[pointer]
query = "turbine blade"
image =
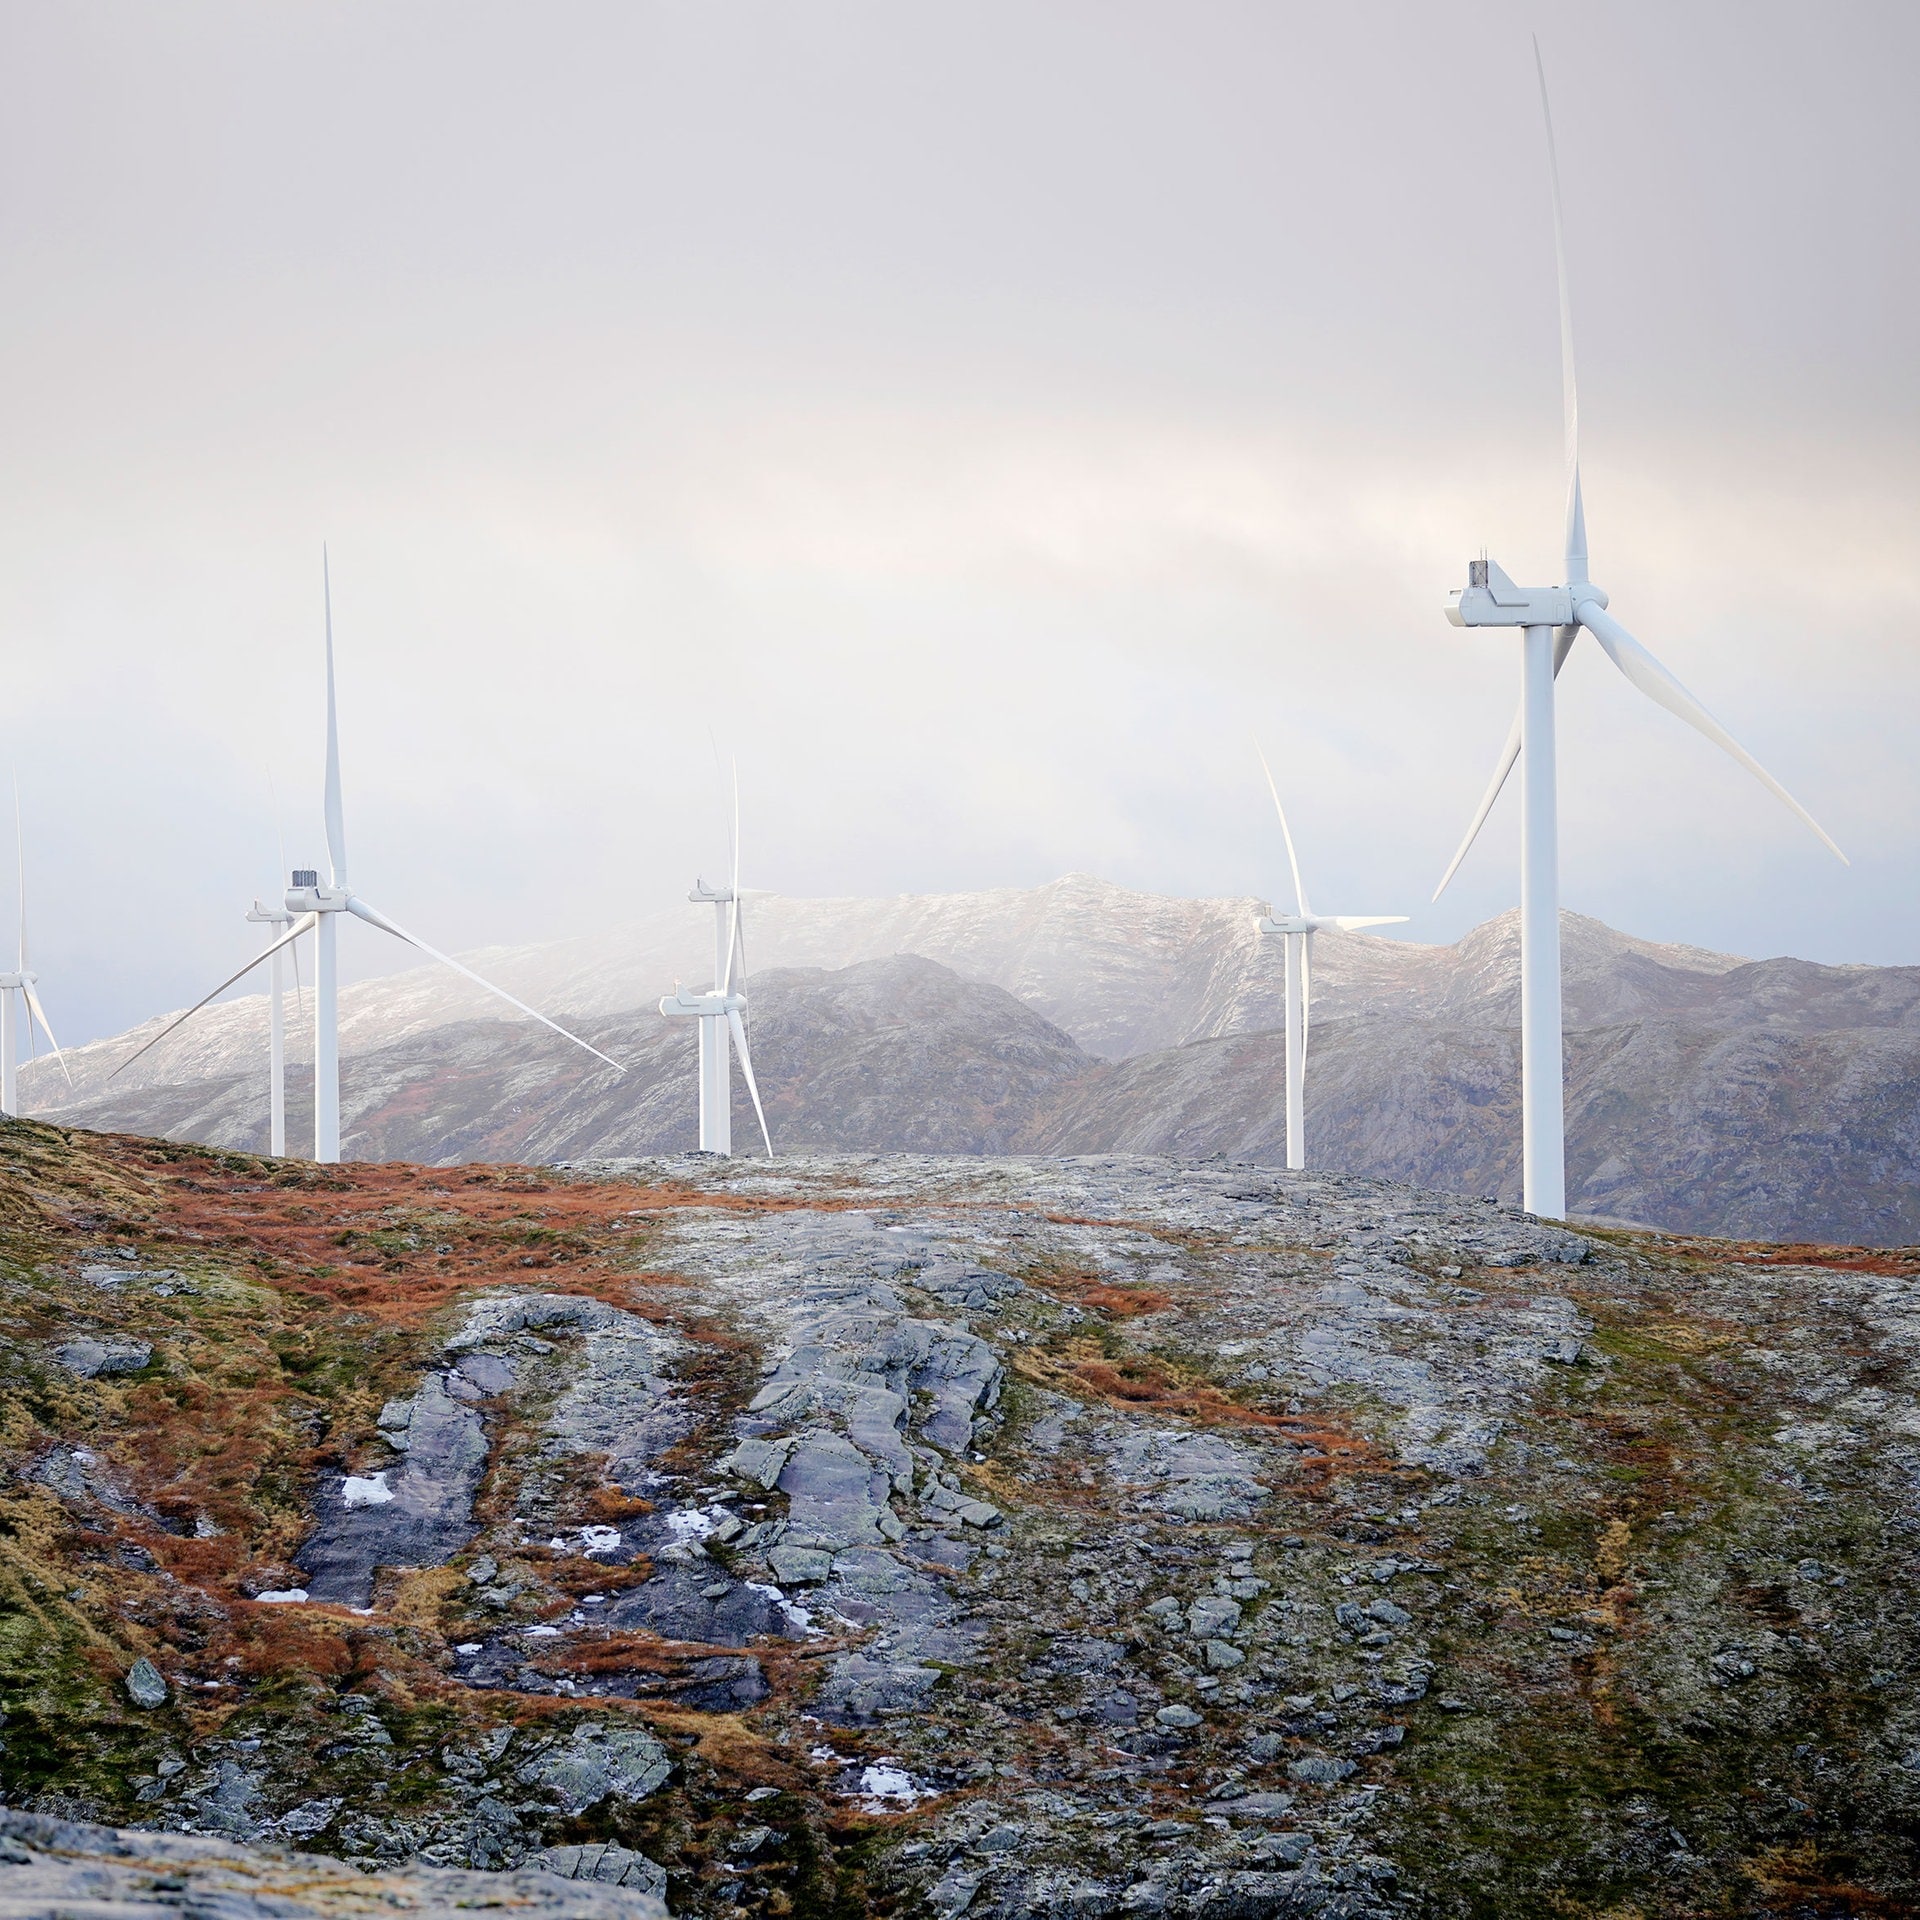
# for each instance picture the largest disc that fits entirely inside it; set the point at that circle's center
(1660, 686)
(299, 927)
(375, 918)
(1569, 390)
(733, 887)
(336, 820)
(1502, 767)
(38, 1012)
(20, 869)
(1563, 639)
(1306, 999)
(746, 1068)
(740, 946)
(1286, 833)
(1350, 922)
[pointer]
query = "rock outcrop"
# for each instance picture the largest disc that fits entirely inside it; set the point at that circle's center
(51, 1867)
(942, 1536)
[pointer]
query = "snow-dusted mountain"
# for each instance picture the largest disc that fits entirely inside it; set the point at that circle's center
(1770, 1097)
(1123, 973)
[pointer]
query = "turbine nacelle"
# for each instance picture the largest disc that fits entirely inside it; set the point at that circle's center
(18, 978)
(307, 895)
(1490, 599)
(706, 896)
(262, 915)
(1272, 922)
(704, 1006)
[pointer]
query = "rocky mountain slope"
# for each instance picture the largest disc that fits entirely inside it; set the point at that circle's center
(954, 1537)
(1705, 1093)
(1122, 973)
(1747, 1129)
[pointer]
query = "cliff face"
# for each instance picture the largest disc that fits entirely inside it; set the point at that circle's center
(951, 1536)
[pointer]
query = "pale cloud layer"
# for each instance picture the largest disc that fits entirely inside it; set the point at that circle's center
(985, 420)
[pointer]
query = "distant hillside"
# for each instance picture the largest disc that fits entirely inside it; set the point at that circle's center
(1708, 1093)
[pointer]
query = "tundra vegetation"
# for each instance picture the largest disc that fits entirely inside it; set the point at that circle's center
(904, 1535)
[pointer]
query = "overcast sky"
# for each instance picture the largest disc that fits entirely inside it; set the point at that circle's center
(984, 419)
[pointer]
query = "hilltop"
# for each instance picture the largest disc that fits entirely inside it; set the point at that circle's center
(955, 1536)
(1706, 1093)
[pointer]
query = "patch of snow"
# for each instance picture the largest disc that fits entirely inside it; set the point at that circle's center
(368, 1491)
(688, 1524)
(543, 1633)
(600, 1539)
(468, 1647)
(886, 1779)
(797, 1616)
(282, 1596)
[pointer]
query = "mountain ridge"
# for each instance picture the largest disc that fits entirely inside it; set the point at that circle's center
(1706, 1092)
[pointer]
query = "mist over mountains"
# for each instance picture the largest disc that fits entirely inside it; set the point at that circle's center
(1771, 1099)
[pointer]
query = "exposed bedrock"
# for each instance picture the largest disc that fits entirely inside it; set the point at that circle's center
(419, 1513)
(973, 1540)
(50, 1867)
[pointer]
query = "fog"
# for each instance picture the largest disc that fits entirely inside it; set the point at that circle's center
(983, 421)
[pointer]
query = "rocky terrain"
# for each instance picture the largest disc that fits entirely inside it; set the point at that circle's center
(1704, 1093)
(943, 1536)
(53, 1869)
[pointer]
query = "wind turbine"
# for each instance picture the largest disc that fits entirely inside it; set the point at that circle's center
(275, 957)
(721, 1013)
(311, 905)
(1550, 619)
(18, 994)
(1299, 927)
(276, 915)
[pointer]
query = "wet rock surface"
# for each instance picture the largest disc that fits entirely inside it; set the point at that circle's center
(928, 1536)
(52, 1867)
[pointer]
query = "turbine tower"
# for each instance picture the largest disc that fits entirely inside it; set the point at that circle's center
(311, 905)
(721, 1013)
(19, 996)
(1299, 927)
(275, 957)
(1550, 619)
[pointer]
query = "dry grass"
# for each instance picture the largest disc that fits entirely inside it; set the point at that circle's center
(1328, 1446)
(1086, 1287)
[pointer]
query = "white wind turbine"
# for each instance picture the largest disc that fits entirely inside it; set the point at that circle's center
(275, 915)
(311, 905)
(1299, 927)
(280, 946)
(1551, 619)
(19, 997)
(721, 1013)
(277, 950)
